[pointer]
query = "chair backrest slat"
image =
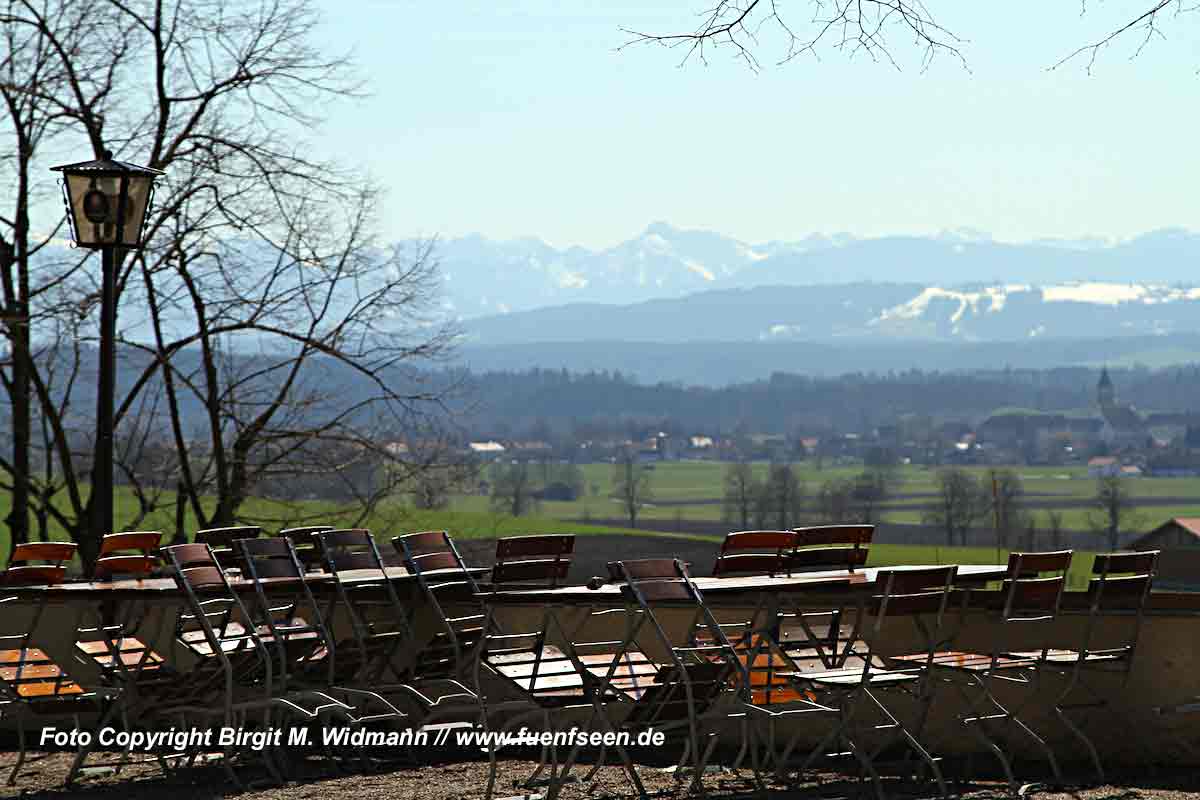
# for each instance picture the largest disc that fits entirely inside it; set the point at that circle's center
(224, 537)
(644, 569)
(542, 571)
(424, 542)
(129, 553)
(1034, 594)
(1121, 563)
(546, 546)
(834, 534)
(1028, 564)
(831, 547)
(144, 541)
(753, 553)
(43, 551)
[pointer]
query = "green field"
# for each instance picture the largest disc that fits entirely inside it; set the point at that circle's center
(470, 518)
(680, 490)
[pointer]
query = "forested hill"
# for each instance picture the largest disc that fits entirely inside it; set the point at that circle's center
(785, 403)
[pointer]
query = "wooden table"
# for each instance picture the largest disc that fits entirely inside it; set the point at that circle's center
(718, 591)
(150, 588)
(68, 604)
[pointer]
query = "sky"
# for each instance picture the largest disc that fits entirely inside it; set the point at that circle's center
(524, 119)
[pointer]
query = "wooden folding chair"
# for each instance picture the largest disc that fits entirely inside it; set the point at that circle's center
(521, 675)
(1100, 666)
(117, 647)
(307, 547)
(292, 627)
(532, 561)
(285, 613)
(1028, 604)
(825, 639)
(756, 639)
(233, 672)
(441, 572)
(31, 683)
(221, 541)
(686, 693)
(378, 655)
(922, 596)
(114, 640)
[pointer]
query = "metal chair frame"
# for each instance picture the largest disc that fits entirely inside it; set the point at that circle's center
(382, 635)
(234, 675)
(118, 646)
(688, 690)
(825, 639)
(32, 683)
(1119, 586)
(1028, 600)
(919, 595)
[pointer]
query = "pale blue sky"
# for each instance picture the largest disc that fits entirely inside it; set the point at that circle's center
(513, 119)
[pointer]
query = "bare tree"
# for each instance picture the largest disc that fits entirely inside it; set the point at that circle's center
(1112, 503)
(514, 489)
(1054, 527)
(861, 28)
(870, 490)
(631, 485)
(782, 497)
(740, 490)
(835, 501)
(961, 502)
(275, 329)
(1007, 493)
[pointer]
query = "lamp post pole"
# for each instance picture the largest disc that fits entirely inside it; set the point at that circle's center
(107, 205)
(102, 460)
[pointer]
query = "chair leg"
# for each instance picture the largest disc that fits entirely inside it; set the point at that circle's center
(12, 777)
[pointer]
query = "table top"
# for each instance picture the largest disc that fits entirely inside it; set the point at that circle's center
(153, 586)
(853, 580)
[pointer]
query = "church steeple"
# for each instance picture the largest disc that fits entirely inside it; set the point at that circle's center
(1106, 395)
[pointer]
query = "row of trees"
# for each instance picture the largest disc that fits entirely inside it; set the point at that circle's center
(261, 288)
(997, 499)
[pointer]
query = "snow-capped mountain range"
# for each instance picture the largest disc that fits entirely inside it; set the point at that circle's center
(484, 277)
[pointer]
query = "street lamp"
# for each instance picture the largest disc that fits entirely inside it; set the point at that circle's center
(107, 207)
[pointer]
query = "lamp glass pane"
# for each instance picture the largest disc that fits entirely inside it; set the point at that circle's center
(88, 233)
(137, 200)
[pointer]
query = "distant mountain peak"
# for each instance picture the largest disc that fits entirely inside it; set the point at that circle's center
(666, 261)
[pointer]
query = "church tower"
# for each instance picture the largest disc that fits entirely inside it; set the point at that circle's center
(1106, 395)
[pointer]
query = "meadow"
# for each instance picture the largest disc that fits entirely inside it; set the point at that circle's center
(692, 490)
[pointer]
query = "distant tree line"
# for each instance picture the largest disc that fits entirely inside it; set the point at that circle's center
(599, 405)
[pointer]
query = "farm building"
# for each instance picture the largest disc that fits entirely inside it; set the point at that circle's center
(1179, 564)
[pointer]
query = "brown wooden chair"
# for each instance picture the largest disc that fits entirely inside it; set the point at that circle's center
(921, 595)
(132, 554)
(440, 570)
(221, 541)
(532, 561)
(116, 646)
(305, 540)
(1098, 668)
(755, 553)
(748, 553)
(826, 639)
(31, 682)
(233, 673)
(113, 638)
(1024, 610)
(378, 654)
(34, 563)
(684, 697)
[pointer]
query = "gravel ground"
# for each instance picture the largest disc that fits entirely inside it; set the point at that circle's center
(42, 779)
